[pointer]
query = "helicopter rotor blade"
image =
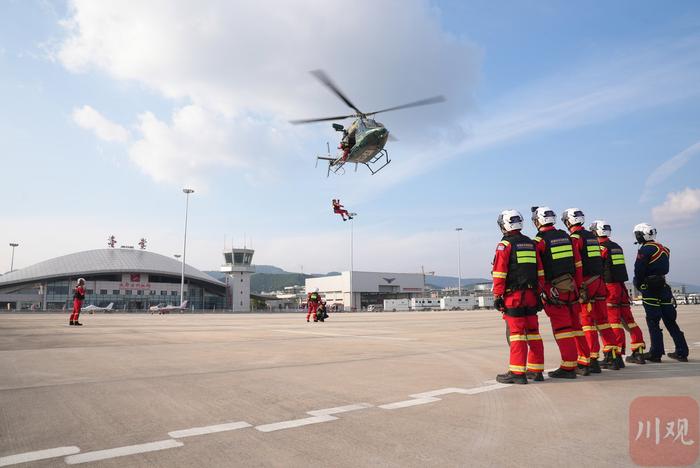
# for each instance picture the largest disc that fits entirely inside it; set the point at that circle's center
(422, 102)
(322, 119)
(325, 79)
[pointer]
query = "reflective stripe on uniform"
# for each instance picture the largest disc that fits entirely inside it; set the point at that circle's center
(584, 360)
(499, 274)
(540, 272)
(578, 264)
(534, 337)
(568, 364)
(618, 259)
(616, 325)
(594, 355)
(561, 336)
(535, 367)
(518, 338)
(588, 328)
(516, 368)
(603, 327)
(593, 250)
(525, 256)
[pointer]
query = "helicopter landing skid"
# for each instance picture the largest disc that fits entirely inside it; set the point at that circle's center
(382, 156)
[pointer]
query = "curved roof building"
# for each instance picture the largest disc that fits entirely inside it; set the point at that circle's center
(131, 279)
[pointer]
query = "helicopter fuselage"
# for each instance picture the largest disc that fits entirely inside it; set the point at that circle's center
(370, 138)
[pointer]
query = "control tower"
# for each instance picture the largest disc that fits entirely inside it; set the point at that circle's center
(238, 267)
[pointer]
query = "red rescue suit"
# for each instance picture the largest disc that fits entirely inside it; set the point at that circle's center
(314, 299)
(558, 258)
(515, 267)
(618, 299)
(78, 297)
(593, 307)
(338, 209)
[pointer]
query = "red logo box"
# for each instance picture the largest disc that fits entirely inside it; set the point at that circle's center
(664, 431)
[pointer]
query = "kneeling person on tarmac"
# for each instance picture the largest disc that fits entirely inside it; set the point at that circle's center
(515, 268)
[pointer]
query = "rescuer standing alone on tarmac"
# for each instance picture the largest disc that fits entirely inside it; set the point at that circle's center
(515, 268)
(558, 291)
(313, 301)
(650, 270)
(78, 298)
(615, 275)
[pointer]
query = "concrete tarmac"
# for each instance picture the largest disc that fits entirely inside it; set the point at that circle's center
(361, 389)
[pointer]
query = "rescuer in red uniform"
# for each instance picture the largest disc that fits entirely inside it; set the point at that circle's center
(515, 268)
(592, 293)
(615, 275)
(557, 285)
(313, 300)
(78, 298)
(339, 209)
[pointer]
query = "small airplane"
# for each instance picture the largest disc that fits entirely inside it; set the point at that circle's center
(363, 141)
(163, 308)
(93, 308)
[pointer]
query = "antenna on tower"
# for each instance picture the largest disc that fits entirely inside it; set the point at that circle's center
(224, 241)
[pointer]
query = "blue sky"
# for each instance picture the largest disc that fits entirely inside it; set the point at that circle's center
(109, 109)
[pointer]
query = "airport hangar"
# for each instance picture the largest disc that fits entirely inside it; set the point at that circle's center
(132, 279)
(357, 289)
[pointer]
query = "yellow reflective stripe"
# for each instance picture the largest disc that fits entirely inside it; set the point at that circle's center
(498, 274)
(584, 360)
(535, 367)
(518, 338)
(593, 250)
(618, 262)
(575, 235)
(534, 337)
(537, 238)
(616, 325)
(560, 336)
(568, 364)
(505, 242)
(561, 248)
(636, 346)
(516, 368)
(618, 259)
(588, 328)
(594, 355)
(527, 260)
(557, 256)
(578, 264)
(605, 326)
(540, 272)
(578, 333)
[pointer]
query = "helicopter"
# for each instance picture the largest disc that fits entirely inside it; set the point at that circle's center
(364, 139)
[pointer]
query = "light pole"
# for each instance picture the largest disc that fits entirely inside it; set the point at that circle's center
(12, 262)
(459, 261)
(187, 192)
(352, 258)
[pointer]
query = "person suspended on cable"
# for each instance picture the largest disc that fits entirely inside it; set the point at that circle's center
(339, 209)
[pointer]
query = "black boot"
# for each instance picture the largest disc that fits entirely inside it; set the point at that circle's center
(78, 324)
(636, 358)
(650, 358)
(583, 370)
(612, 362)
(620, 362)
(595, 366)
(677, 357)
(510, 378)
(71, 323)
(536, 376)
(562, 374)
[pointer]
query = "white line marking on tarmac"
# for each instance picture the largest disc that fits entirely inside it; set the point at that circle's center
(195, 431)
(317, 416)
(373, 337)
(38, 455)
(431, 397)
(122, 451)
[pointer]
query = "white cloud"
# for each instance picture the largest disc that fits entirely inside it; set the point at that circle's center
(680, 208)
(670, 167)
(90, 119)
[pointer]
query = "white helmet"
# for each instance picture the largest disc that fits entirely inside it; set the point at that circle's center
(543, 216)
(600, 228)
(644, 232)
(81, 280)
(573, 217)
(316, 290)
(510, 220)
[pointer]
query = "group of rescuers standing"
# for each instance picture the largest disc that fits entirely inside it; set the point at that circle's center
(578, 278)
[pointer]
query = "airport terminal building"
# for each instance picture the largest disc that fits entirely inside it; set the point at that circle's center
(131, 279)
(358, 289)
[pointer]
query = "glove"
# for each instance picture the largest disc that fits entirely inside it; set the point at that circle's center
(499, 304)
(540, 303)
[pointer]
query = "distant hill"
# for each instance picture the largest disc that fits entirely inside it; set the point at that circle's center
(442, 282)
